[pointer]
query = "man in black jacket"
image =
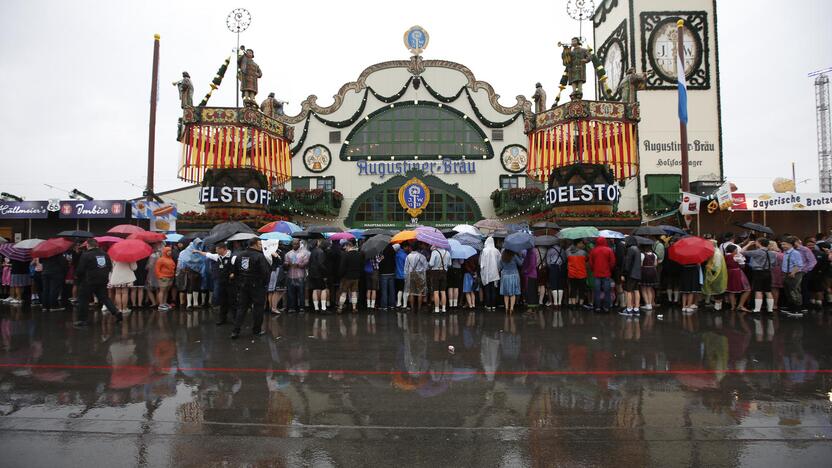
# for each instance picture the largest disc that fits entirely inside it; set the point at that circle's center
(93, 273)
(317, 276)
(251, 276)
(52, 277)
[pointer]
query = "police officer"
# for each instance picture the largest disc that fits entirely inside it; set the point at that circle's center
(93, 273)
(221, 276)
(251, 274)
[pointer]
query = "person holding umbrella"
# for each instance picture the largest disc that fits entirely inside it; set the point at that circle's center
(415, 267)
(792, 269)
(93, 274)
(52, 276)
(220, 274)
(251, 271)
(510, 264)
(350, 272)
(490, 272)
(631, 276)
(296, 262)
(440, 260)
(317, 276)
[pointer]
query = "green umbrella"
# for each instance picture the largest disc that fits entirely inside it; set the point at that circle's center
(580, 232)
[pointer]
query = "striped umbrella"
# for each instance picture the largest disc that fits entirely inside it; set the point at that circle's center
(12, 253)
(279, 236)
(432, 236)
(280, 226)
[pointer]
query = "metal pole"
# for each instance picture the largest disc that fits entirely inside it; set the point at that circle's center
(237, 75)
(794, 178)
(151, 139)
(683, 129)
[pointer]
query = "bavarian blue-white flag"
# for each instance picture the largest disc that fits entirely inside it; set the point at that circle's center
(683, 88)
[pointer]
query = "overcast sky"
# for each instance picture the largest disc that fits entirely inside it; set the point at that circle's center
(75, 75)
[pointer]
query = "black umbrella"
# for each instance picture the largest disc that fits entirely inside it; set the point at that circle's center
(76, 234)
(670, 230)
(448, 233)
(322, 229)
(469, 239)
(376, 231)
(650, 231)
(500, 234)
(374, 245)
(545, 225)
(189, 237)
(301, 235)
(644, 241)
(223, 231)
(545, 241)
(757, 227)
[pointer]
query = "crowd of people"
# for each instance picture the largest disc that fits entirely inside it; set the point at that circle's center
(746, 273)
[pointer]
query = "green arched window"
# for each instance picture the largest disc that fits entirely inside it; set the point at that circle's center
(425, 130)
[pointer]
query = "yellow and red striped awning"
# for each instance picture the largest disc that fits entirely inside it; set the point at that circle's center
(583, 141)
(233, 146)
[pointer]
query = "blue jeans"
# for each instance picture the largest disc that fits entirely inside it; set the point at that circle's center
(387, 284)
(295, 290)
(601, 284)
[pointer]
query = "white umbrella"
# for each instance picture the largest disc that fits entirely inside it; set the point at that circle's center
(241, 236)
(607, 234)
(467, 229)
(28, 243)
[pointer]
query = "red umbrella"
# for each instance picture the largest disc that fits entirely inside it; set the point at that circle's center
(131, 250)
(125, 230)
(691, 250)
(148, 236)
(52, 247)
(105, 241)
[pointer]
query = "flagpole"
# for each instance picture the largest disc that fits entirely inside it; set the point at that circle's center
(683, 128)
(151, 140)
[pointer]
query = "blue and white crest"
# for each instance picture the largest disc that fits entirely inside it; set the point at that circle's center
(244, 263)
(101, 261)
(416, 39)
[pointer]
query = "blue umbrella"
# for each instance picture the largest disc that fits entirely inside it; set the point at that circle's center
(673, 230)
(460, 251)
(280, 236)
(518, 242)
(606, 233)
(173, 238)
(468, 239)
(358, 233)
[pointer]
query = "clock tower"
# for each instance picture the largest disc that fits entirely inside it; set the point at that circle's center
(642, 34)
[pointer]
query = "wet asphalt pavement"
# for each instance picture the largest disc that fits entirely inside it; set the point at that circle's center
(540, 389)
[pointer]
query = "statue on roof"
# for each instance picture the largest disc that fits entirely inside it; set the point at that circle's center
(630, 84)
(539, 97)
(575, 59)
(272, 107)
(249, 74)
(186, 90)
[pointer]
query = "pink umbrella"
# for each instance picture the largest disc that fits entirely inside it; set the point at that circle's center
(125, 230)
(341, 235)
(147, 236)
(432, 236)
(105, 241)
(52, 247)
(131, 250)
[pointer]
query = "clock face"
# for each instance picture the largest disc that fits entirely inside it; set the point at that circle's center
(317, 158)
(514, 158)
(663, 47)
(614, 64)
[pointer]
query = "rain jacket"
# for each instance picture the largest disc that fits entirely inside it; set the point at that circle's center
(601, 259)
(632, 259)
(317, 263)
(165, 266)
(94, 267)
(716, 274)
(489, 262)
(576, 262)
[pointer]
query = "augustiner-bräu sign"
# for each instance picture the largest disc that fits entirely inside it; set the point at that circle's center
(583, 194)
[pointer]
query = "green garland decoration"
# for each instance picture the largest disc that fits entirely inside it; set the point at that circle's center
(357, 115)
(302, 139)
(215, 83)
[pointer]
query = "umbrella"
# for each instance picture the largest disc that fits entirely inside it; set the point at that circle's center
(403, 236)
(545, 241)
(242, 236)
(489, 225)
(173, 238)
(131, 250)
(301, 235)
(432, 236)
(104, 241)
(467, 229)
(125, 230)
(644, 240)
(279, 236)
(322, 229)
(28, 244)
(448, 233)
(757, 227)
(148, 236)
(499, 234)
(375, 245)
(545, 225)
(223, 231)
(469, 239)
(13, 253)
(341, 235)
(461, 251)
(580, 232)
(607, 234)
(519, 242)
(280, 226)
(3, 240)
(649, 231)
(358, 233)
(377, 231)
(52, 247)
(672, 230)
(691, 250)
(77, 234)
(189, 237)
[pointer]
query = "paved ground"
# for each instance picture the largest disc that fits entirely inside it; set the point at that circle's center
(542, 389)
